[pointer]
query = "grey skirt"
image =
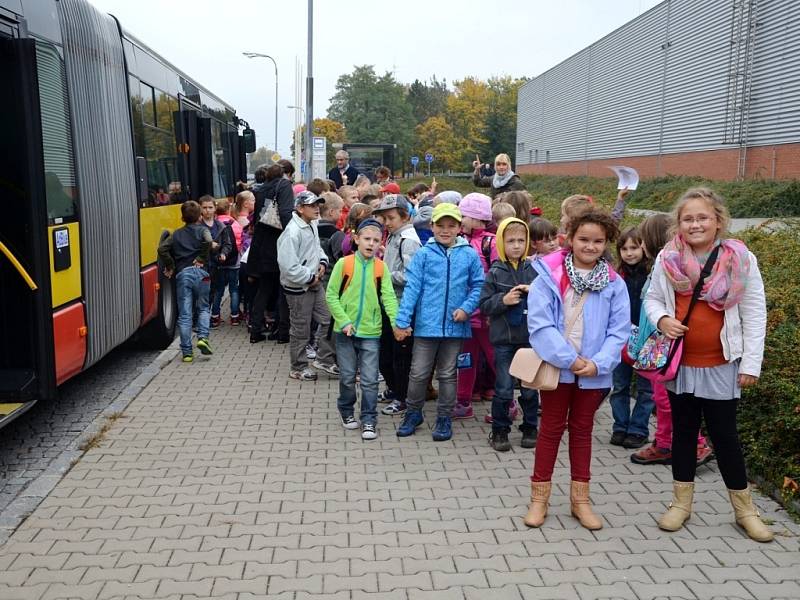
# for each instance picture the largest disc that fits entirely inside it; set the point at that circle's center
(712, 383)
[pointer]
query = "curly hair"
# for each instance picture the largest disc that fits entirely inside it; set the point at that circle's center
(598, 217)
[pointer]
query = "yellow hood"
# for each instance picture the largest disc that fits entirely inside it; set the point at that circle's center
(501, 247)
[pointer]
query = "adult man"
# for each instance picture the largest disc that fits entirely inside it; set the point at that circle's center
(343, 173)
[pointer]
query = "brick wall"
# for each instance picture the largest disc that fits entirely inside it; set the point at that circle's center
(780, 161)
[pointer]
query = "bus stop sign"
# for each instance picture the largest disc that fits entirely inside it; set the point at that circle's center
(415, 160)
(429, 158)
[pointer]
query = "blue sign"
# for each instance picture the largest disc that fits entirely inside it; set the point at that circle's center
(429, 158)
(415, 160)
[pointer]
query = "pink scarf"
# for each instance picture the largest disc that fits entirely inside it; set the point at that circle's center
(726, 284)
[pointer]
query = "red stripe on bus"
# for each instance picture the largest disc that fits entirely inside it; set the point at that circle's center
(69, 335)
(149, 293)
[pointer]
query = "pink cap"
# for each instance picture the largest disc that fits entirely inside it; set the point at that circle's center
(297, 188)
(478, 206)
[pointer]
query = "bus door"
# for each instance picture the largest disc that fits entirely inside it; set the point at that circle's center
(26, 354)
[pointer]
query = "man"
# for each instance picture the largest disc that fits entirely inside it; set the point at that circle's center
(343, 173)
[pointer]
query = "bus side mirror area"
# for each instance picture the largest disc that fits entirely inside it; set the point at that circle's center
(249, 140)
(142, 189)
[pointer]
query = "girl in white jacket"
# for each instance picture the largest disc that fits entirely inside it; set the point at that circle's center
(722, 349)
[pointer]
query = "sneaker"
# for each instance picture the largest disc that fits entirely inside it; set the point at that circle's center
(487, 418)
(617, 438)
(187, 358)
(386, 396)
(704, 455)
(443, 430)
(652, 455)
(476, 397)
(349, 422)
(331, 370)
(634, 441)
(463, 411)
(411, 420)
(204, 346)
(215, 321)
(235, 320)
(368, 431)
(529, 437)
(282, 340)
(311, 352)
(259, 337)
(304, 375)
(498, 440)
(395, 407)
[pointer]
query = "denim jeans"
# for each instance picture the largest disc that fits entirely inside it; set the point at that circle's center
(443, 354)
(221, 279)
(358, 354)
(634, 422)
(504, 387)
(193, 287)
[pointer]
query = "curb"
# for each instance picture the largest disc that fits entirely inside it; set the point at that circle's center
(19, 510)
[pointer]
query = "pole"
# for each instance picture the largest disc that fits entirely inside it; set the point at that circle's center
(259, 55)
(310, 95)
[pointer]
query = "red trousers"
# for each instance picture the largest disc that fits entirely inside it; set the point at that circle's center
(566, 407)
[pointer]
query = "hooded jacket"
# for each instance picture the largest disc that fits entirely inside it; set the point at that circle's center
(401, 246)
(507, 324)
(299, 255)
(606, 318)
(438, 281)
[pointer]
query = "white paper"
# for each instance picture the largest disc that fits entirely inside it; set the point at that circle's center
(628, 177)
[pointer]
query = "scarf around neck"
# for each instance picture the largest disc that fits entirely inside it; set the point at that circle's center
(498, 182)
(724, 287)
(594, 281)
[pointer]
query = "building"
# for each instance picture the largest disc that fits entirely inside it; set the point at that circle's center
(690, 87)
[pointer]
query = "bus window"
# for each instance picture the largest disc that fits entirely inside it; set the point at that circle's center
(60, 186)
(220, 160)
(148, 104)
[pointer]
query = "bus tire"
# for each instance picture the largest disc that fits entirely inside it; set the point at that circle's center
(159, 333)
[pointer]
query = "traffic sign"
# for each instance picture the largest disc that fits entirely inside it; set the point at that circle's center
(276, 157)
(415, 160)
(429, 158)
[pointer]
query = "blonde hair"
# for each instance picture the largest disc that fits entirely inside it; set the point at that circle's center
(574, 205)
(501, 211)
(332, 202)
(241, 198)
(502, 157)
(715, 201)
(222, 206)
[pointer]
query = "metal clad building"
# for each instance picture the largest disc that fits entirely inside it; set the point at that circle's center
(706, 87)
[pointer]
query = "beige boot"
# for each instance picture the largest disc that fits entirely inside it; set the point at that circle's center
(581, 506)
(680, 509)
(540, 499)
(747, 516)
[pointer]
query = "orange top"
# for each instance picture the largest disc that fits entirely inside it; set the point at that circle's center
(702, 346)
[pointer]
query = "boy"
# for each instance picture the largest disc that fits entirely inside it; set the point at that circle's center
(330, 236)
(504, 301)
(401, 246)
(443, 285)
(544, 237)
(184, 254)
(220, 248)
(303, 264)
(355, 302)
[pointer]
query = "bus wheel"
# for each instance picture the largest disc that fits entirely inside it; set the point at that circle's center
(159, 333)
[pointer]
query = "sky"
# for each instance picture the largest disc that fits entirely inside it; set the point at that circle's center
(450, 39)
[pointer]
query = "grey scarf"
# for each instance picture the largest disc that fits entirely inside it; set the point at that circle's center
(498, 182)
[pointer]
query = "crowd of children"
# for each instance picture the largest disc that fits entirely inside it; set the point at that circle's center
(404, 288)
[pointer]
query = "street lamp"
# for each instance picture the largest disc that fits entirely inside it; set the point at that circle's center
(258, 55)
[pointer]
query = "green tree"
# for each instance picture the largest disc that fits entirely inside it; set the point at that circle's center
(436, 136)
(501, 118)
(333, 131)
(467, 109)
(374, 109)
(428, 100)
(260, 157)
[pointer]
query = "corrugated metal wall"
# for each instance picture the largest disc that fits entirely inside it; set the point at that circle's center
(659, 84)
(96, 81)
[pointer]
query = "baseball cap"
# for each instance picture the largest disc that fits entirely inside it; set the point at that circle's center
(391, 201)
(445, 209)
(391, 188)
(306, 198)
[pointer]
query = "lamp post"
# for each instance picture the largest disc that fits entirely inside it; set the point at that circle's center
(297, 142)
(258, 55)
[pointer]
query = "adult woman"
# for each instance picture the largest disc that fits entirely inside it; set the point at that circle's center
(723, 347)
(503, 180)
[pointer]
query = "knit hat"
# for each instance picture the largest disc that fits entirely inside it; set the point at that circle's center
(476, 205)
(297, 188)
(450, 196)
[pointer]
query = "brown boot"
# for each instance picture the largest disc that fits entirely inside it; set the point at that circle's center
(540, 499)
(581, 506)
(747, 516)
(680, 509)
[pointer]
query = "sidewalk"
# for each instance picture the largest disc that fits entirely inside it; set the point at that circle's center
(226, 479)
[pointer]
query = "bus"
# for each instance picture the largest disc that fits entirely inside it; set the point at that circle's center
(102, 140)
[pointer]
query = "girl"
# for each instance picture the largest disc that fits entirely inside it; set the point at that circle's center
(522, 203)
(723, 348)
(654, 231)
(630, 429)
(578, 320)
(358, 212)
(544, 237)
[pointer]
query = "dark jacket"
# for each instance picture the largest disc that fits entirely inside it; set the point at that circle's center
(512, 185)
(185, 245)
(263, 257)
(335, 176)
(635, 278)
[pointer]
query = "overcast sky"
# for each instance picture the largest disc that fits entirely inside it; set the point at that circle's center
(451, 39)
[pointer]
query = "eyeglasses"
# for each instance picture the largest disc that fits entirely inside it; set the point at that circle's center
(704, 220)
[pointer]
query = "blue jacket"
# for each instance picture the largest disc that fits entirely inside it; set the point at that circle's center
(606, 318)
(438, 281)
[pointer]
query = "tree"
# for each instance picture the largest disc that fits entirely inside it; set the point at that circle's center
(373, 109)
(428, 100)
(501, 118)
(467, 109)
(333, 131)
(436, 136)
(260, 157)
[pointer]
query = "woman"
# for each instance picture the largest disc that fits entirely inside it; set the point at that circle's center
(723, 347)
(503, 180)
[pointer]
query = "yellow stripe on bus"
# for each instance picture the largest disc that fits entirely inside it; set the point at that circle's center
(7, 409)
(18, 266)
(152, 222)
(66, 284)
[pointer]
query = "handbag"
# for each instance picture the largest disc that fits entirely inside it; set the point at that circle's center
(270, 215)
(660, 356)
(534, 372)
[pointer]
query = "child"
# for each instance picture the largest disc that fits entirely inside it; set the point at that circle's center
(219, 246)
(184, 254)
(631, 428)
(242, 211)
(579, 320)
(358, 212)
(544, 237)
(522, 202)
(401, 246)
(443, 285)
(303, 264)
(502, 211)
(355, 303)
(349, 195)
(330, 237)
(227, 273)
(476, 211)
(655, 233)
(422, 220)
(504, 299)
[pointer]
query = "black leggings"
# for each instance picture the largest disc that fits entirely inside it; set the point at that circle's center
(395, 360)
(720, 417)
